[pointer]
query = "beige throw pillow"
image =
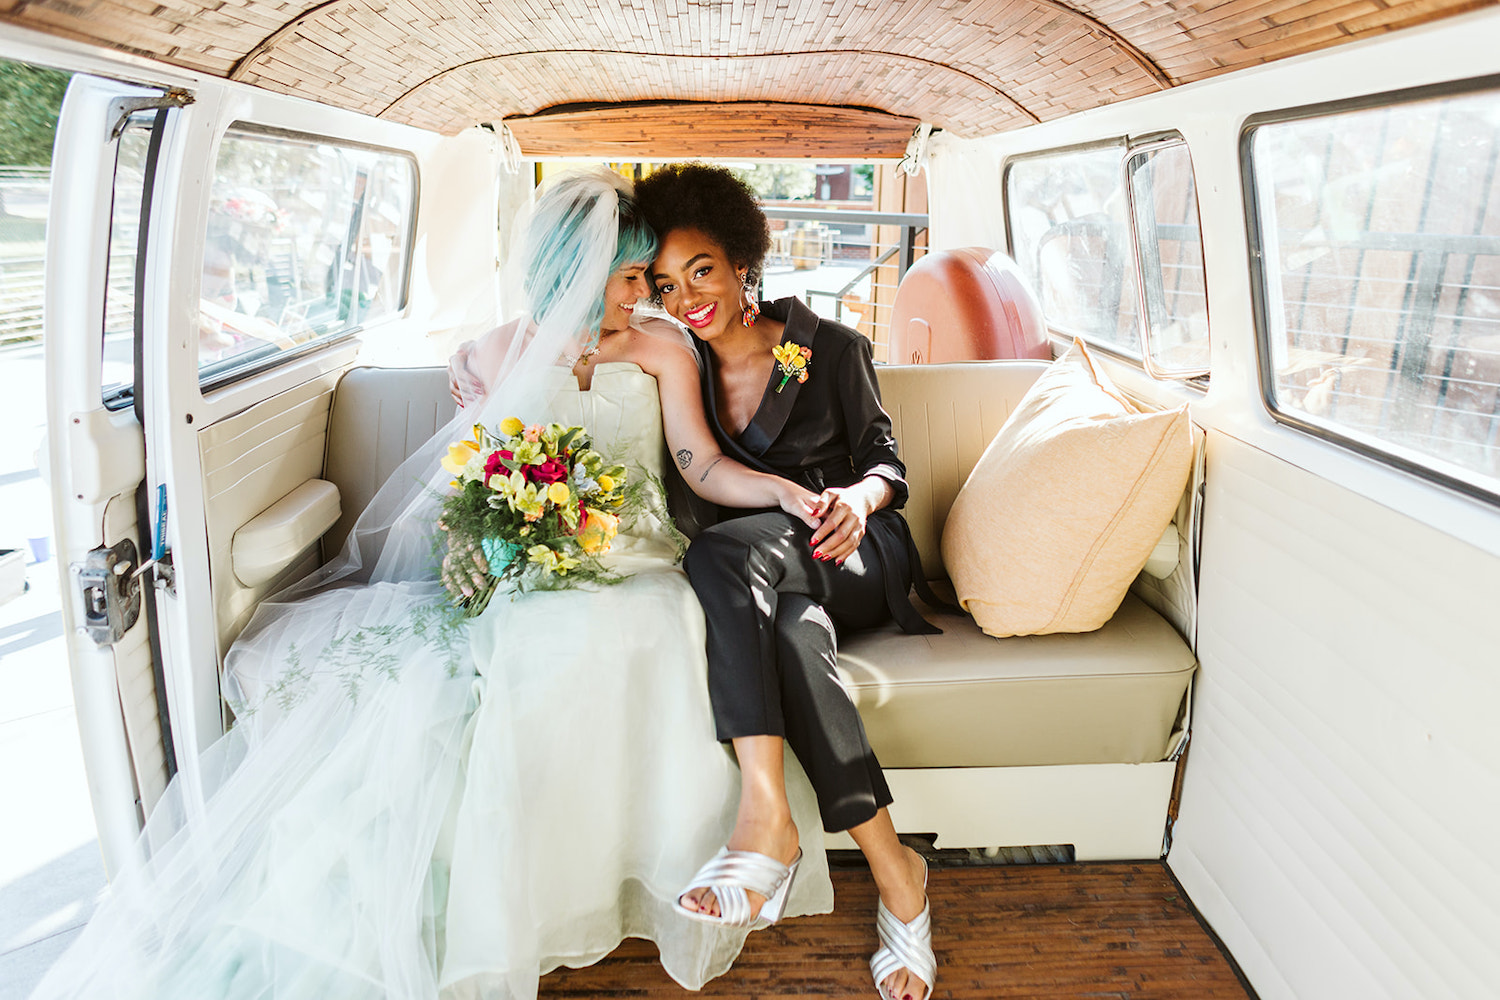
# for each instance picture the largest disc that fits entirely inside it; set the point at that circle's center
(1064, 506)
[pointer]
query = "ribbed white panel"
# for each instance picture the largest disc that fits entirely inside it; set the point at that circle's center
(941, 441)
(135, 677)
(1341, 810)
(250, 461)
(379, 416)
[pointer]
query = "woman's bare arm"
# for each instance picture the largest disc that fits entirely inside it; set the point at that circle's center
(709, 472)
(476, 363)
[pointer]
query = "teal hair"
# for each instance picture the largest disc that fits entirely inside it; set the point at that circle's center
(557, 252)
(638, 242)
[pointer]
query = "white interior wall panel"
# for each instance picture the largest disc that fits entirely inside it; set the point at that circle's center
(1340, 817)
(1341, 806)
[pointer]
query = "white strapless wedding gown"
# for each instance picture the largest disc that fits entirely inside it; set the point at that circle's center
(409, 808)
(594, 727)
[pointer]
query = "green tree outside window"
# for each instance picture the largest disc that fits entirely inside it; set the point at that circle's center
(30, 98)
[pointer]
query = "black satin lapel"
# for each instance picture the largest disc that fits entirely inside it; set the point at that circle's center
(769, 420)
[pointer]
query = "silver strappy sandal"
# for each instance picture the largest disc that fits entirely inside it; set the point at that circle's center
(733, 874)
(904, 946)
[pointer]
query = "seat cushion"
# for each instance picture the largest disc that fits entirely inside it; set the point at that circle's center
(1065, 505)
(966, 699)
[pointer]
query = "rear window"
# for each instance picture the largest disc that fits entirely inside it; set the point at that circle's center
(307, 240)
(1070, 233)
(1378, 279)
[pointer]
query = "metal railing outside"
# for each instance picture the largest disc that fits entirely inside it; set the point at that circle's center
(1396, 335)
(24, 193)
(844, 263)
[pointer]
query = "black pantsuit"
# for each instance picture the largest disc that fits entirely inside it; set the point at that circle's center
(773, 611)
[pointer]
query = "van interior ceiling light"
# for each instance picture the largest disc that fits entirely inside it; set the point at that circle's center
(915, 160)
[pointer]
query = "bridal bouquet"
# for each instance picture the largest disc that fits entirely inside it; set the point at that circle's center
(541, 503)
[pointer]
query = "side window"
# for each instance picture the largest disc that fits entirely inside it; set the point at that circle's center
(1069, 232)
(1169, 248)
(307, 240)
(1378, 271)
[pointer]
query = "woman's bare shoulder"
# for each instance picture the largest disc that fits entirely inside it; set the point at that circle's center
(655, 343)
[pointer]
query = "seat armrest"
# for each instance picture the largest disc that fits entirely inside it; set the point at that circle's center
(271, 541)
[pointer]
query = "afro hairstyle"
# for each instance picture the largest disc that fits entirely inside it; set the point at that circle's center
(713, 201)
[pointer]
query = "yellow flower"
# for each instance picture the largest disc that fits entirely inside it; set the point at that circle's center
(527, 500)
(558, 493)
(550, 561)
(792, 361)
(511, 426)
(458, 456)
(606, 483)
(598, 530)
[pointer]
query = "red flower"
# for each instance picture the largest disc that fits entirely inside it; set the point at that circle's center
(550, 471)
(493, 464)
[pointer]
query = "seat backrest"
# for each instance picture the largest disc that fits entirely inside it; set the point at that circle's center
(379, 417)
(944, 417)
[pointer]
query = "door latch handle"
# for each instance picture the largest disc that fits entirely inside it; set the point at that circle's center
(111, 593)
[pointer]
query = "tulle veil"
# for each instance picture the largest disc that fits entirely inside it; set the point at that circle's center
(351, 671)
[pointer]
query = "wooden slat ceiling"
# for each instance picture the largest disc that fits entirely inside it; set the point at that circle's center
(973, 68)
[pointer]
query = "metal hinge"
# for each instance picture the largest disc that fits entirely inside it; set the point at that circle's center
(111, 588)
(121, 108)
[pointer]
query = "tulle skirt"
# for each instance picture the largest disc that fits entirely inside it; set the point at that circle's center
(412, 809)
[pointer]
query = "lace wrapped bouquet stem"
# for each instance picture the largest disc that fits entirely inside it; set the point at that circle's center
(540, 503)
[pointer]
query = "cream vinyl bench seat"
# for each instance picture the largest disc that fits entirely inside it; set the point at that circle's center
(1029, 740)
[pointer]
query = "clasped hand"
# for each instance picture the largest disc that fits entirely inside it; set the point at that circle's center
(465, 570)
(841, 512)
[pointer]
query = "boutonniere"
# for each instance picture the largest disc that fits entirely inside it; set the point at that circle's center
(792, 359)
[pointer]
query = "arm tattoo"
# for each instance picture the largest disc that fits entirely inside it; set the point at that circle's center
(684, 459)
(710, 468)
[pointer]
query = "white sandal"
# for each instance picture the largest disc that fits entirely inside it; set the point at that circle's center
(904, 946)
(732, 874)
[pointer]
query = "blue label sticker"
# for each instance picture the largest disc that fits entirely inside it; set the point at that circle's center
(159, 549)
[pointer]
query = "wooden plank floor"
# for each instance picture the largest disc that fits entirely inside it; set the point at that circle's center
(1073, 930)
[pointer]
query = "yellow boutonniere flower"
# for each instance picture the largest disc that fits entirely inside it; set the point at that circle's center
(558, 493)
(792, 360)
(511, 426)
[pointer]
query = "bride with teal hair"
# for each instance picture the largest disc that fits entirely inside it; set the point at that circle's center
(411, 804)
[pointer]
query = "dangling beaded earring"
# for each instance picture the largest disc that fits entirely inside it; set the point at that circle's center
(752, 308)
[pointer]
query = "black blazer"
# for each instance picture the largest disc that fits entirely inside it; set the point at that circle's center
(829, 430)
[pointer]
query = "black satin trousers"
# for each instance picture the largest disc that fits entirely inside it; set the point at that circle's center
(774, 614)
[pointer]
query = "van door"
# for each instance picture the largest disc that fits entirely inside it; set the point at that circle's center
(279, 246)
(109, 140)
